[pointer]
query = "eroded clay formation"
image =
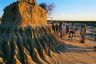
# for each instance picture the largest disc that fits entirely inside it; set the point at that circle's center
(23, 34)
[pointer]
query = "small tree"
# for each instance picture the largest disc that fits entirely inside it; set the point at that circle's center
(43, 5)
(48, 7)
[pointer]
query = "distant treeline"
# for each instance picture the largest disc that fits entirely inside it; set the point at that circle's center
(89, 23)
(92, 24)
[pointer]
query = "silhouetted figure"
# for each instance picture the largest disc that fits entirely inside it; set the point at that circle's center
(67, 29)
(60, 29)
(82, 34)
(56, 29)
(53, 27)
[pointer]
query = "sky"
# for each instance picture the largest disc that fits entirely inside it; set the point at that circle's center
(66, 9)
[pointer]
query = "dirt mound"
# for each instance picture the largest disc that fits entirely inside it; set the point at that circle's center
(24, 35)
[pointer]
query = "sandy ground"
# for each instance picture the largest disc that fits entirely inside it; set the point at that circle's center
(75, 52)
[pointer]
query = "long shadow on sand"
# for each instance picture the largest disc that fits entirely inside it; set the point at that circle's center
(70, 48)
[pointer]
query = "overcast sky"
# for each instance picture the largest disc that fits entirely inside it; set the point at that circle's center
(66, 9)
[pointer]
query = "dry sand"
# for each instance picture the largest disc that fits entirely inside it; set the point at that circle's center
(75, 53)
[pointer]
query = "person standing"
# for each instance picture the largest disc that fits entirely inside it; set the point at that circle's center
(67, 29)
(63, 29)
(53, 27)
(71, 33)
(56, 29)
(60, 29)
(82, 34)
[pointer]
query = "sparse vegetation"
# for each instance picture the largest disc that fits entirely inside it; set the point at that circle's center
(48, 7)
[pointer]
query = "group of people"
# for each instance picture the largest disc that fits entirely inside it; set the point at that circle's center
(65, 29)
